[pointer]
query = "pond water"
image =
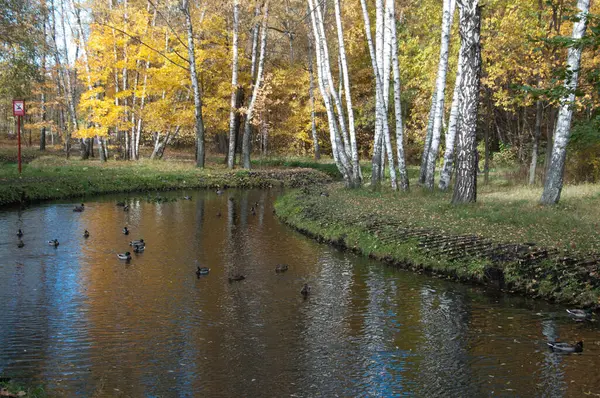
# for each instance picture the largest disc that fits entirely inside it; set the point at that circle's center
(81, 322)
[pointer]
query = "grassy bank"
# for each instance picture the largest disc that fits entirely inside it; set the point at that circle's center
(54, 178)
(506, 239)
(12, 389)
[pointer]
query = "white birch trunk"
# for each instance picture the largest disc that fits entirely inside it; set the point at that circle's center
(326, 88)
(465, 189)
(554, 177)
(402, 173)
(195, 86)
(261, 63)
(379, 112)
(350, 112)
(388, 20)
(311, 92)
(446, 173)
(432, 155)
(234, 83)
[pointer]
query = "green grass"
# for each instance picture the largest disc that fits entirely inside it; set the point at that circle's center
(16, 389)
(54, 178)
(504, 213)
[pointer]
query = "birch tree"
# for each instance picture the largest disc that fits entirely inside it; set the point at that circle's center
(234, 88)
(554, 177)
(185, 8)
(340, 147)
(446, 173)
(246, 148)
(465, 188)
(311, 93)
(440, 89)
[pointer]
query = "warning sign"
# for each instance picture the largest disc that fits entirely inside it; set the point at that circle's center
(18, 108)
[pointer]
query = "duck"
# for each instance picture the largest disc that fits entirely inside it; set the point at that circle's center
(580, 315)
(124, 256)
(125, 208)
(236, 277)
(20, 244)
(121, 204)
(187, 198)
(202, 271)
(139, 248)
(137, 243)
(220, 192)
(305, 290)
(86, 234)
(281, 268)
(79, 209)
(324, 194)
(125, 231)
(20, 234)
(53, 242)
(566, 347)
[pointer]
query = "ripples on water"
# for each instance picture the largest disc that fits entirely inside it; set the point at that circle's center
(80, 321)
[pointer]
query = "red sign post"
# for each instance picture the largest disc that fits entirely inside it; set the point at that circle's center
(18, 112)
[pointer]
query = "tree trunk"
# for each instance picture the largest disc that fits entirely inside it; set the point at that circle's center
(234, 83)
(465, 189)
(356, 177)
(402, 173)
(311, 92)
(427, 144)
(536, 140)
(440, 89)
(329, 94)
(446, 173)
(380, 115)
(195, 85)
(562, 132)
(246, 144)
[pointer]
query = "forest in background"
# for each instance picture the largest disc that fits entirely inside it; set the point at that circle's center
(122, 72)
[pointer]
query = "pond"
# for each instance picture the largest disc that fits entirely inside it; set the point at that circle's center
(79, 321)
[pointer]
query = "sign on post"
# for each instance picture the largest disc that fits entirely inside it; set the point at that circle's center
(18, 112)
(18, 108)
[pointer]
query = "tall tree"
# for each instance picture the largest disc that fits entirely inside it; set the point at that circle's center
(234, 87)
(440, 89)
(447, 167)
(562, 132)
(185, 8)
(246, 140)
(465, 188)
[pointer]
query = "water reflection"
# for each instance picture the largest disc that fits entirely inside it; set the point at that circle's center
(80, 321)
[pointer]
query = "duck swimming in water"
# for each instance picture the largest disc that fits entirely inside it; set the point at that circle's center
(220, 192)
(79, 209)
(20, 244)
(580, 315)
(236, 278)
(125, 208)
(202, 271)
(566, 347)
(86, 234)
(187, 198)
(281, 268)
(53, 242)
(137, 243)
(125, 231)
(124, 256)
(305, 290)
(139, 249)
(20, 234)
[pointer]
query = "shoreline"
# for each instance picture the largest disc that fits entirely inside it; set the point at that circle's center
(522, 268)
(79, 179)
